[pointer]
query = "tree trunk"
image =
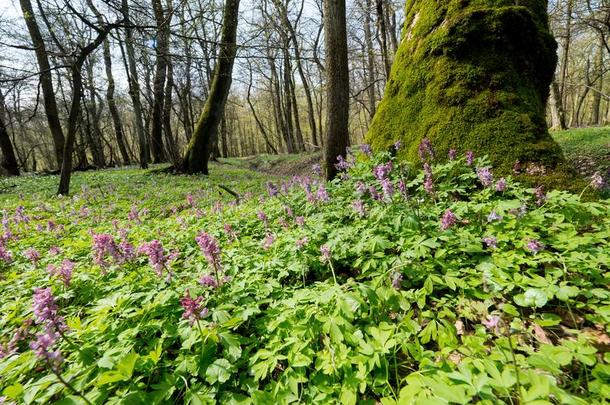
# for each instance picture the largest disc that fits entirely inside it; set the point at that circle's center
(46, 79)
(162, 55)
(383, 35)
(206, 130)
(337, 85)
(8, 161)
(370, 59)
(134, 87)
(475, 76)
(114, 112)
(599, 85)
(558, 116)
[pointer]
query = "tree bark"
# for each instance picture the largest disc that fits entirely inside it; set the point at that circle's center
(162, 54)
(206, 130)
(46, 80)
(337, 85)
(558, 116)
(474, 76)
(370, 59)
(599, 85)
(134, 87)
(114, 112)
(9, 161)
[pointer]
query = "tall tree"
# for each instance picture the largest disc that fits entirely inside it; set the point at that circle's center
(46, 79)
(163, 20)
(206, 130)
(134, 85)
(337, 85)
(472, 75)
(110, 90)
(8, 161)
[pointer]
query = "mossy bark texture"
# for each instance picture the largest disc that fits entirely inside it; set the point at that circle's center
(472, 75)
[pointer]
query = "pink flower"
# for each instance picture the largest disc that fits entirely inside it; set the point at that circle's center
(190, 200)
(210, 248)
(325, 251)
(44, 306)
(448, 220)
(193, 308)
(322, 194)
(492, 322)
(485, 176)
(540, 195)
(469, 158)
(301, 243)
(382, 171)
(597, 181)
(425, 149)
(156, 255)
(490, 242)
(209, 281)
(103, 246)
(452, 154)
(300, 221)
(501, 185)
(534, 246)
(5, 255)
(366, 149)
(358, 206)
(63, 272)
(269, 239)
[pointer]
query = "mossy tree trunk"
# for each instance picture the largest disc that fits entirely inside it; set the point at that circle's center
(472, 75)
(206, 130)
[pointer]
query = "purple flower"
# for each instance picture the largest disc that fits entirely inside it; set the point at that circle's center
(43, 344)
(534, 246)
(209, 281)
(494, 216)
(366, 149)
(45, 308)
(103, 246)
(190, 200)
(358, 206)
(325, 251)
(397, 145)
(360, 188)
(448, 220)
(230, 232)
(269, 239)
(425, 149)
(374, 193)
(501, 185)
(517, 167)
(317, 170)
(156, 255)
(272, 189)
(402, 187)
(597, 181)
(490, 242)
(300, 221)
(429, 184)
(492, 322)
(63, 272)
(54, 250)
(5, 255)
(342, 164)
(134, 215)
(397, 280)
(469, 158)
(388, 188)
(262, 217)
(382, 171)
(193, 308)
(301, 243)
(452, 154)
(540, 194)
(210, 248)
(322, 194)
(32, 255)
(485, 176)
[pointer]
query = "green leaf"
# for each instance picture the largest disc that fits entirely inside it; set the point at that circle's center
(218, 371)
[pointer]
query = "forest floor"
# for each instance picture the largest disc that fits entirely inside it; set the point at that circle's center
(146, 288)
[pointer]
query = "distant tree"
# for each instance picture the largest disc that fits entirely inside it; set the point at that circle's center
(337, 85)
(199, 148)
(8, 161)
(46, 79)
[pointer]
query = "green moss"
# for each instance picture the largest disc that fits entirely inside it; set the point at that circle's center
(473, 75)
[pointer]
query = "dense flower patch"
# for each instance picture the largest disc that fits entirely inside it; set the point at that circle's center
(397, 284)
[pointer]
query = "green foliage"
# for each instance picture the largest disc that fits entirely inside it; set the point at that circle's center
(474, 74)
(419, 314)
